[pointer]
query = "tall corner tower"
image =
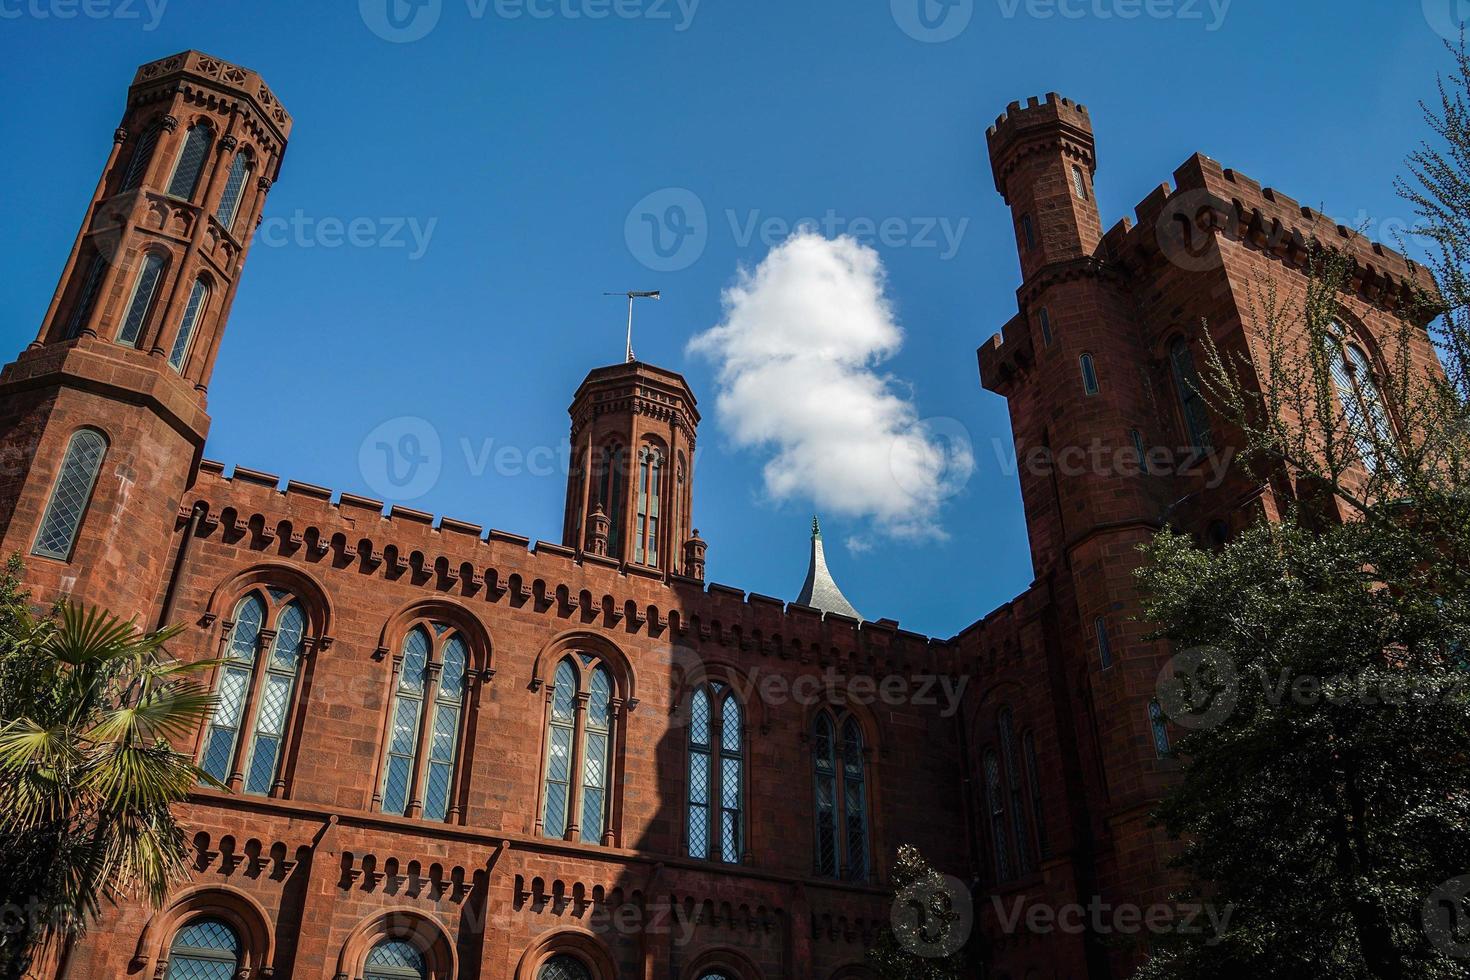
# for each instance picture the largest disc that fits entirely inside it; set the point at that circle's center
(103, 415)
(630, 493)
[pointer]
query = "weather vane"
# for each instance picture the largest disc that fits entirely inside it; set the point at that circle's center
(632, 295)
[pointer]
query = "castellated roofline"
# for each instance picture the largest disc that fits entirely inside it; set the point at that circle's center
(252, 510)
(217, 75)
(1039, 126)
(1217, 201)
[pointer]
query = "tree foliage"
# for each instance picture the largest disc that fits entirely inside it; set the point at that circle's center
(932, 921)
(89, 706)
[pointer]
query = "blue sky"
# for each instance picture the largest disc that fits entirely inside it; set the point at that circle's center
(498, 167)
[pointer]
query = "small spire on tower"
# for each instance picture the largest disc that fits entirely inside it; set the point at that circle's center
(819, 590)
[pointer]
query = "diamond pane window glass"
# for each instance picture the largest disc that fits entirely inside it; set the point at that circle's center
(233, 690)
(270, 724)
(1033, 779)
(565, 695)
(994, 802)
(699, 804)
(1191, 401)
(825, 784)
(290, 631)
(145, 287)
(245, 636)
(1160, 727)
(1079, 183)
(1006, 724)
(730, 809)
(563, 968)
(229, 202)
(71, 495)
(730, 725)
(599, 700)
(595, 756)
(403, 735)
(1362, 405)
(198, 295)
(138, 163)
(191, 162)
(854, 800)
(559, 742)
(206, 949)
(394, 959)
(86, 298)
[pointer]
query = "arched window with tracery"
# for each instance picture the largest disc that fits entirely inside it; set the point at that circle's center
(193, 313)
(612, 479)
(190, 165)
(426, 724)
(1191, 398)
(142, 154)
(840, 771)
(1362, 401)
(716, 805)
(234, 191)
(205, 949)
(140, 303)
(581, 727)
(650, 485)
(264, 647)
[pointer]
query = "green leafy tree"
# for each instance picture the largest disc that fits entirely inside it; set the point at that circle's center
(932, 921)
(1320, 676)
(88, 708)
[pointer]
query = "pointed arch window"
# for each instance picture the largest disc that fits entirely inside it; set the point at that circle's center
(190, 165)
(138, 162)
(206, 949)
(1362, 402)
(1079, 183)
(716, 826)
(581, 728)
(86, 298)
(1158, 724)
(140, 304)
(1028, 232)
(1005, 723)
(839, 761)
(235, 184)
(255, 687)
(995, 805)
(1089, 374)
(426, 724)
(193, 312)
(1191, 401)
(71, 495)
(650, 482)
(611, 490)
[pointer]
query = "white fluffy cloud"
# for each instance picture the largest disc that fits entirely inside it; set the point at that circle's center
(798, 353)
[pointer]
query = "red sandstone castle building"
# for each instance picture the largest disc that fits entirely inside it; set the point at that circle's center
(455, 753)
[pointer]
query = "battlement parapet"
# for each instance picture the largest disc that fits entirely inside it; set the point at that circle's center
(1039, 126)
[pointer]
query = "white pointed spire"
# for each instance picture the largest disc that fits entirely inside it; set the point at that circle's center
(820, 591)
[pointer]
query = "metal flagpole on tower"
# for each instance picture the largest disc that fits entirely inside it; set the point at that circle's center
(633, 294)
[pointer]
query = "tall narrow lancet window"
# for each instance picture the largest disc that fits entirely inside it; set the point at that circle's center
(82, 308)
(581, 731)
(206, 949)
(255, 691)
(650, 479)
(140, 304)
(1006, 724)
(716, 829)
(71, 495)
(1079, 183)
(612, 488)
(229, 202)
(138, 162)
(995, 806)
(1160, 728)
(1191, 400)
(424, 731)
(839, 757)
(1362, 402)
(193, 311)
(1089, 374)
(1104, 644)
(1033, 782)
(190, 165)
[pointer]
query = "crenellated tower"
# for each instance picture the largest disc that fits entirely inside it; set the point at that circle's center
(104, 414)
(630, 492)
